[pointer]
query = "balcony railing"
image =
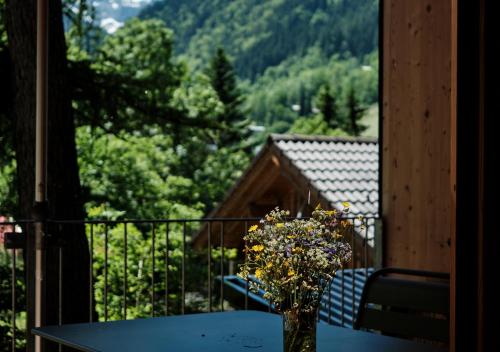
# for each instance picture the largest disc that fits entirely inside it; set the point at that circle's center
(147, 268)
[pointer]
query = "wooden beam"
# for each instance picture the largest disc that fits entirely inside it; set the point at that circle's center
(41, 162)
(453, 170)
(417, 204)
(257, 180)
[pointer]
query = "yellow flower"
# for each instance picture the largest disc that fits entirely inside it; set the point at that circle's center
(331, 212)
(280, 225)
(258, 273)
(345, 223)
(291, 272)
(346, 204)
(258, 248)
(257, 257)
(291, 237)
(269, 265)
(253, 228)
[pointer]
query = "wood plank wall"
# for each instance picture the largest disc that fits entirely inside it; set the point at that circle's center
(417, 174)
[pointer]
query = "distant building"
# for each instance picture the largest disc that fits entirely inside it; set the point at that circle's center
(4, 228)
(296, 173)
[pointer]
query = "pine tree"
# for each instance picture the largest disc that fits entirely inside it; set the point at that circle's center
(304, 101)
(223, 80)
(354, 113)
(328, 107)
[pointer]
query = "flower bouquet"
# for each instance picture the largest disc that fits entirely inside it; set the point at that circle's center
(293, 261)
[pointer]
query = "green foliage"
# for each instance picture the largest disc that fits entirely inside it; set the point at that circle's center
(328, 107)
(6, 302)
(3, 31)
(280, 93)
(144, 173)
(285, 50)
(197, 99)
(83, 34)
(8, 192)
(218, 173)
(261, 34)
(146, 274)
(354, 113)
(330, 120)
(371, 121)
(8, 195)
(151, 281)
(314, 125)
(142, 50)
(229, 253)
(156, 130)
(133, 174)
(130, 81)
(223, 81)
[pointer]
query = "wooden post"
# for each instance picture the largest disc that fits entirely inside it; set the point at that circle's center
(40, 158)
(417, 124)
(453, 169)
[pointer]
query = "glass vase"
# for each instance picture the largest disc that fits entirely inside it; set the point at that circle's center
(299, 331)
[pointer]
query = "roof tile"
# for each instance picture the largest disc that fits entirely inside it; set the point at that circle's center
(341, 169)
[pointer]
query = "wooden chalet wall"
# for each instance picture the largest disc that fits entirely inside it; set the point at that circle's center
(417, 181)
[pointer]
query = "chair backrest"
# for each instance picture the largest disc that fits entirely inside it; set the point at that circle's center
(405, 307)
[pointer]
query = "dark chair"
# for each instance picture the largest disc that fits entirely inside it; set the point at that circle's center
(400, 306)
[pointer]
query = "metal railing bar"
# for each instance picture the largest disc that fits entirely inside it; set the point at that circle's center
(359, 265)
(365, 243)
(209, 264)
(166, 268)
(353, 259)
(146, 221)
(330, 302)
(246, 280)
(183, 269)
(13, 298)
(59, 318)
(91, 273)
(59, 303)
(125, 270)
(160, 221)
(222, 266)
(153, 270)
(106, 272)
(342, 298)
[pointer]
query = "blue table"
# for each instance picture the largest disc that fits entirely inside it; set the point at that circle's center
(217, 332)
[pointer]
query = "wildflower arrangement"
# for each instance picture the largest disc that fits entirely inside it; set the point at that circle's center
(293, 261)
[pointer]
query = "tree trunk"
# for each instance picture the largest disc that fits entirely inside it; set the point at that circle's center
(63, 185)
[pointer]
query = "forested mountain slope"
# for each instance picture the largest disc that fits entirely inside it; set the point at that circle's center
(259, 34)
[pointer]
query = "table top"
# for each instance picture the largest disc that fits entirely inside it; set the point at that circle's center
(227, 331)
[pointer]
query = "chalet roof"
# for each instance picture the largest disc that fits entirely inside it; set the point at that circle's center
(325, 170)
(340, 169)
